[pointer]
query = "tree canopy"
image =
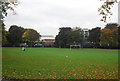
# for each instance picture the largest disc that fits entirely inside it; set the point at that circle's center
(109, 37)
(68, 36)
(4, 6)
(94, 35)
(31, 35)
(111, 25)
(15, 35)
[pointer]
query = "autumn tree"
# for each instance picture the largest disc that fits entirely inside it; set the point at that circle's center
(30, 35)
(4, 6)
(105, 9)
(109, 38)
(8, 5)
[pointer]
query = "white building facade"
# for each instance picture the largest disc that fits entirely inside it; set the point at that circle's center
(86, 33)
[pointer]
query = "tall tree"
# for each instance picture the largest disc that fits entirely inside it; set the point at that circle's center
(119, 36)
(4, 6)
(109, 38)
(94, 35)
(4, 36)
(3, 39)
(68, 36)
(31, 35)
(76, 36)
(61, 38)
(15, 36)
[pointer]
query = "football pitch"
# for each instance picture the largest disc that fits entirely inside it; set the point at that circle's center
(59, 63)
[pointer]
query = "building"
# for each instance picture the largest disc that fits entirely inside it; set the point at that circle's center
(86, 33)
(47, 40)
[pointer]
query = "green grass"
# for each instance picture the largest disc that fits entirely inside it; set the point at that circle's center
(52, 63)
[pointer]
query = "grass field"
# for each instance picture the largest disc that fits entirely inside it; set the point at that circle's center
(59, 63)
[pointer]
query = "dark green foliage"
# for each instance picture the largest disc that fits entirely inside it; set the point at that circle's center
(68, 36)
(111, 25)
(15, 36)
(119, 36)
(4, 6)
(4, 37)
(76, 36)
(61, 38)
(94, 36)
(3, 33)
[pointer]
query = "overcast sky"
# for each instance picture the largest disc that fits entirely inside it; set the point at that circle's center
(47, 16)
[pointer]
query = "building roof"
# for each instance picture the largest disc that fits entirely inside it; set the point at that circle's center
(47, 37)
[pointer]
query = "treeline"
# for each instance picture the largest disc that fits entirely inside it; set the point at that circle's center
(107, 37)
(16, 35)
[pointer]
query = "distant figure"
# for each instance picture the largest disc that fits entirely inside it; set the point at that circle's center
(23, 48)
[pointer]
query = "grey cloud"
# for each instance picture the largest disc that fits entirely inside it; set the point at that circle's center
(46, 16)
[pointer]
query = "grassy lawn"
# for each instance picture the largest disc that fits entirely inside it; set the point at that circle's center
(59, 63)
